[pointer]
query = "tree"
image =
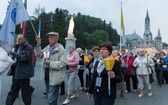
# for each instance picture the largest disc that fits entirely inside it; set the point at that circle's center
(59, 24)
(38, 11)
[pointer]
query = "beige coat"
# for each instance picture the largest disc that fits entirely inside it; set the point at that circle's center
(58, 61)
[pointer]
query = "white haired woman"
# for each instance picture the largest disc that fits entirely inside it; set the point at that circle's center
(81, 67)
(143, 66)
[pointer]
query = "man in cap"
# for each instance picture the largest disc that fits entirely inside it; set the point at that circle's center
(53, 67)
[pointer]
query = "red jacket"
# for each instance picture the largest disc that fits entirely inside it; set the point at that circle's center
(129, 63)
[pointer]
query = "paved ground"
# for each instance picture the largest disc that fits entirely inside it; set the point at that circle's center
(160, 95)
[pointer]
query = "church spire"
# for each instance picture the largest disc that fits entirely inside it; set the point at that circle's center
(147, 15)
(159, 35)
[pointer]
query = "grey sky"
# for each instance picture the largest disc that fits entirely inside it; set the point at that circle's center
(134, 12)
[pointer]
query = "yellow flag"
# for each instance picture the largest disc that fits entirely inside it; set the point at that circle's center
(122, 27)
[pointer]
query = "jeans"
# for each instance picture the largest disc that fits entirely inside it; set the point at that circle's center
(101, 100)
(18, 84)
(53, 95)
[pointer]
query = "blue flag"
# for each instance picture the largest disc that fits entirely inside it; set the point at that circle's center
(16, 14)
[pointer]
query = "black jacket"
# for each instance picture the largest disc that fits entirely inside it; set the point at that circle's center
(159, 66)
(24, 67)
(103, 90)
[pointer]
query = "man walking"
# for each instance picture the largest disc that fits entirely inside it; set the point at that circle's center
(53, 65)
(24, 70)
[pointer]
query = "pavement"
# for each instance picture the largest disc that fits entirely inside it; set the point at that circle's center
(159, 97)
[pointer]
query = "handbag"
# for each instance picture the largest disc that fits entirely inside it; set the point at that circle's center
(151, 80)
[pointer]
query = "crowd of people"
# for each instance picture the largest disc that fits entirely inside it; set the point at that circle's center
(56, 64)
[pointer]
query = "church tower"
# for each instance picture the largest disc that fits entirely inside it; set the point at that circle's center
(147, 37)
(158, 41)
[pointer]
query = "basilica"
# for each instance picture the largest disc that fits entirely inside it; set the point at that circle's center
(148, 41)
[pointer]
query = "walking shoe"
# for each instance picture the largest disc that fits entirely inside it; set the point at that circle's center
(45, 93)
(32, 90)
(150, 93)
(121, 93)
(127, 91)
(66, 102)
(62, 93)
(140, 95)
(81, 88)
(74, 96)
(135, 90)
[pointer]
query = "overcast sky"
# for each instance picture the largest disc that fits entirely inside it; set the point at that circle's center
(134, 12)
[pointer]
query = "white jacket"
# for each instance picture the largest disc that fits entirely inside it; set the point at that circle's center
(5, 61)
(142, 62)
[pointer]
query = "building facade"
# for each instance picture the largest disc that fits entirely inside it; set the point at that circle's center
(148, 40)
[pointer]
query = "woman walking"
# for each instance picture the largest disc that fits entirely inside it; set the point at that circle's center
(143, 66)
(99, 84)
(73, 61)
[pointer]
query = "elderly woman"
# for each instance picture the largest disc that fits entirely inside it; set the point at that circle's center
(143, 66)
(81, 67)
(99, 83)
(73, 61)
(159, 62)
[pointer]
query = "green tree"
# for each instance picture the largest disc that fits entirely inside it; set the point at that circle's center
(59, 24)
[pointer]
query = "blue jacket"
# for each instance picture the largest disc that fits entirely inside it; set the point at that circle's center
(166, 60)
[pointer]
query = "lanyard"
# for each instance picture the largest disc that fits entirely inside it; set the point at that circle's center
(100, 67)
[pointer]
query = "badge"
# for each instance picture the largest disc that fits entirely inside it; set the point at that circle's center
(98, 81)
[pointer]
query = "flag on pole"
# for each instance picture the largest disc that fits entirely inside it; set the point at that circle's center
(16, 14)
(123, 39)
(23, 24)
(39, 28)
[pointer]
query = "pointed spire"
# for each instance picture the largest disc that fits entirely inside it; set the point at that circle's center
(158, 35)
(147, 15)
(147, 19)
(134, 32)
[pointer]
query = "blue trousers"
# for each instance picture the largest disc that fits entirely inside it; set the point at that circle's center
(51, 91)
(53, 95)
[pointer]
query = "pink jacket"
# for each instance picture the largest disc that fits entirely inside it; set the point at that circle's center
(73, 61)
(129, 62)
